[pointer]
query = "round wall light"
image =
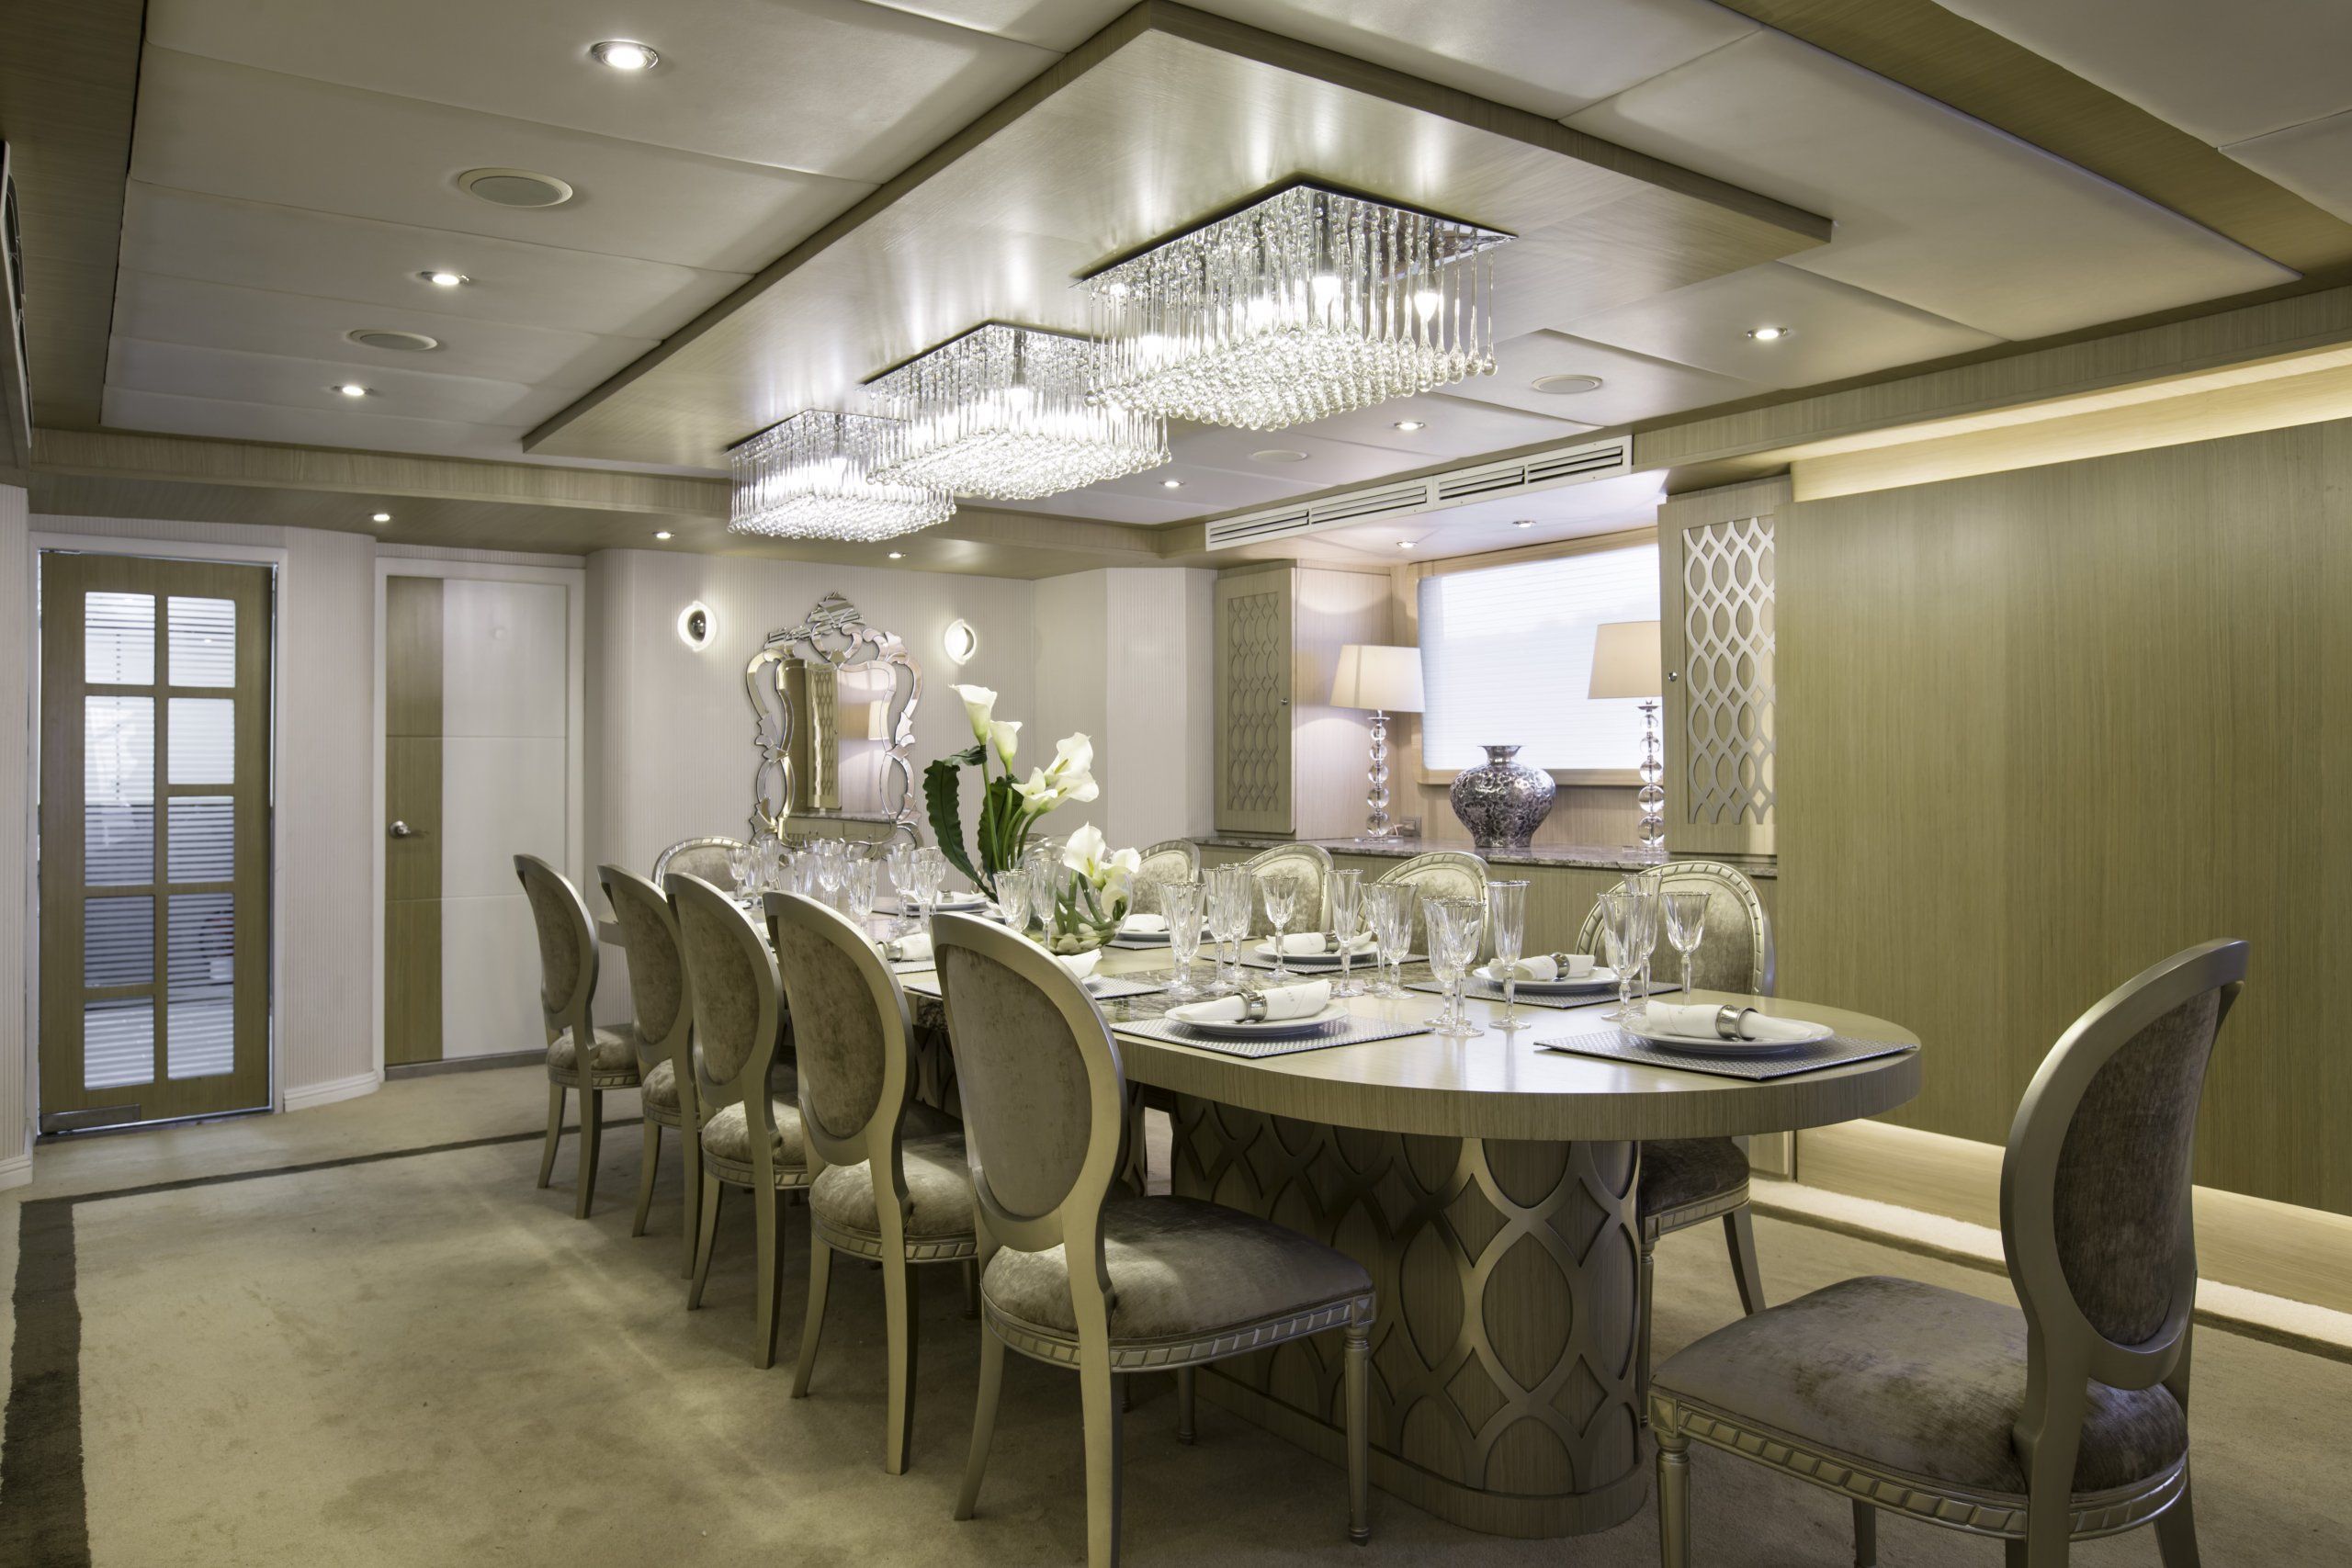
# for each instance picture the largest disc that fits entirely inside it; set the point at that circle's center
(960, 640)
(698, 626)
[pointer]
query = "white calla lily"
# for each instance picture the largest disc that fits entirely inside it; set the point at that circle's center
(1005, 735)
(980, 706)
(1084, 850)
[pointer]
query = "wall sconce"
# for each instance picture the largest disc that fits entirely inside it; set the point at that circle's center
(960, 640)
(698, 626)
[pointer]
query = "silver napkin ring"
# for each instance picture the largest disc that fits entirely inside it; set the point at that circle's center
(1728, 1020)
(1253, 1006)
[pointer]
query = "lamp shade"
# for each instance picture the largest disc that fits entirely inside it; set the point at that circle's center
(1625, 661)
(1386, 679)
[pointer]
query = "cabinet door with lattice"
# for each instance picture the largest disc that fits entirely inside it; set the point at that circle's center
(1253, 682)
(1718, 641)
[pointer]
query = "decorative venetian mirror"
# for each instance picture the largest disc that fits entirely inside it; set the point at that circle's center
(813, 686)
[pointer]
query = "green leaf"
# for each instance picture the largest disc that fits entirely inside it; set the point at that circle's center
(943, 792)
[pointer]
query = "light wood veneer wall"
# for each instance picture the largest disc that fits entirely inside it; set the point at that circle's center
(2041, 729)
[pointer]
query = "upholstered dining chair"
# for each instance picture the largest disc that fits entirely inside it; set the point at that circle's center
(704, 857)
(749, 1139)
(580, 1055)
(887, 1180)
(665, 1017)
(1688, 1181)
(1307, 865)
(1170, 860)
(1072, 1276)
(2062, 1418)
(1442, 874)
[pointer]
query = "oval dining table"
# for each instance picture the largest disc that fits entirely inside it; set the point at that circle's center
(1489, 1185)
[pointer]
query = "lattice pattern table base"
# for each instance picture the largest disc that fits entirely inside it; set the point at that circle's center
(1502, 1388)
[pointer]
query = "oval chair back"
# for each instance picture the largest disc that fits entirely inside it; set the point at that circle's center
(567, 952)
(1170, 860)
(704, 857)
(1309, 865)
(1442, 874)
(737, 1000)
(1735, 950)
(657, 976)
(1044, 1095)
(855, 1041)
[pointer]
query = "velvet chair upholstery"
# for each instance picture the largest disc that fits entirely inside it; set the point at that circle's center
(1306, 866)
(704, 857)
(749, 1139)
(580, 1055)
(1688, 1181)
(882, 1185)
(664, 1020)
(2062, 1418)
(1170, 860)
(1074, 1276)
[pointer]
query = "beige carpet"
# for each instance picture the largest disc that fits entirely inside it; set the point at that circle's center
(424, 1360)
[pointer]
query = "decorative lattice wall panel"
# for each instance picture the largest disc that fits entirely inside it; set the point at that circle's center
(1727, 673)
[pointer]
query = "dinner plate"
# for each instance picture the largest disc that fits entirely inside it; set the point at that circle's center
(959, 904)
(1328, 959)
(1143, 939)
(1601, 978)
(1271, 1029)
(1715, 1046)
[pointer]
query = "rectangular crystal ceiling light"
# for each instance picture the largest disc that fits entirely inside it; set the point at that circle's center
(811, 477)
(1307, 304)
(1009, 414)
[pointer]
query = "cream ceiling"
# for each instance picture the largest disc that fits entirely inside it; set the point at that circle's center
(293, 169)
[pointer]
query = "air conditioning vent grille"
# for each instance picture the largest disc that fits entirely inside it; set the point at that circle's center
(1567, 464)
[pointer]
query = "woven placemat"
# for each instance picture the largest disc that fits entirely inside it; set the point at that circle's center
(1344, 1032)
(1479, 990)
(1109, 988)
(1615, 1044)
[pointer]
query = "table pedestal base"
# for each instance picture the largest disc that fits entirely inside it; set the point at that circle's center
(1502, 1395)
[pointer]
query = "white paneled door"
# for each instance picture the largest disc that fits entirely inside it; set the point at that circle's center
(476, 771)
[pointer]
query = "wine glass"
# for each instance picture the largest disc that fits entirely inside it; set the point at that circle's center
(1012, 900)
(1686, 927)
(929, 876)
(739, 867)
(1507, 931)
(1646, 886)
(1281, 895)
(858, 876)
(1453, 926)
(828, 856)
(1228, 901)
(898, 860)
(1346, 919)
(1047, 878)
(1180, 902)
(1390, 905)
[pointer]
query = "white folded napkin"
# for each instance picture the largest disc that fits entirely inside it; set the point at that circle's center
(1544, 966)
(1079, 965)
(1143, 925)
(1313, 945)
(1281, 1001)
(1696, 1021)
(908, 948)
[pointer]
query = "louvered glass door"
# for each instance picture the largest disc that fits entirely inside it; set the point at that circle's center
(154, 840)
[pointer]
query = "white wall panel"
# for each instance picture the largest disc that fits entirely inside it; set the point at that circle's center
(504, 650)
(490, 967)
(501, 797)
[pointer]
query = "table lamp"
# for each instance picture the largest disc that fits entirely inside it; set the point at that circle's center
(1626, 663)
(1382, 680)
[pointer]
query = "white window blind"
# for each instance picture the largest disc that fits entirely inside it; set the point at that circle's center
(1506, 659)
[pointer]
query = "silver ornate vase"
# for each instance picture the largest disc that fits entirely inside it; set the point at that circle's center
(1502, 802)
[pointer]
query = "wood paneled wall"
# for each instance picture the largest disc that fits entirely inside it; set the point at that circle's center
(17, 1025)
(2041, 728)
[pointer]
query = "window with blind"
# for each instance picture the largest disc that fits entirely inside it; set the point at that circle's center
(1506, 659)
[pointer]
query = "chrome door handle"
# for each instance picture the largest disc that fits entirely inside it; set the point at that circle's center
(402, 831)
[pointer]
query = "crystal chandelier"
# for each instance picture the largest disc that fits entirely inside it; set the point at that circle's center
(1307, 304)
(1009, 413)
(810, 478)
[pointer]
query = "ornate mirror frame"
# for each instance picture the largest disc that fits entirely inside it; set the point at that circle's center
(836, 634)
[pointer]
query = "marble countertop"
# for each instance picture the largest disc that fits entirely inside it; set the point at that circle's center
(1582, 857)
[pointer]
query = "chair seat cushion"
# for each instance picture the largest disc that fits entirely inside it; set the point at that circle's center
(1896, 1375)
(727, 1135)
(1679, 1172)
(1181, 1268)
(939, 1191)
(614, 1050)
(661, 1086)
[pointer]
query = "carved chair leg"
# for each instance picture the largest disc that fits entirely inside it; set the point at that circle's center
(983, 1420)
(592, 1131)
(1357, 1374)
(2014, 1554)
(555, 1131)
(971, 1288)
(1673, 1500)
(812, 1315)
(1185, 1431)
(689, 1216)
(705, 1238)
(767, 1210)
(902, 1316)
(1865, 1535)
(645, 1177)
(2049, 1458)
(1101, 1406)
(2176, 1533)
(1642, 1327)
(1739, 1234)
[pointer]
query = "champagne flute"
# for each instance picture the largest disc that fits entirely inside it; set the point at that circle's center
(857, 891)
(931, 875)
(899, 862)
(1646, 886)
(1346, 919)
(1180, 902)
(1620, 910)
(1228, 901)
(739, 867)
(1686, 927)
(1391, 906)
(1012, 900)
(1281, 895)
(1452, 927)
(1507, 929)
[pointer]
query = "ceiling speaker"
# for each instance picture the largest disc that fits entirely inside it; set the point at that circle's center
(514, 187)
(387, 337)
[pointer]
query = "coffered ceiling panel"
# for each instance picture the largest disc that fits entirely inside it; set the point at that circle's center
(1829, 331)
(838, 88)
(1059, 25)
(1933, 208)
(2313, 161)
(227, 419)
(1449, 427)
(258, 245)
(257, 135)
(1550, 59)
(1634, 387)
(257, 320)
(141, 367)
(2221, 71)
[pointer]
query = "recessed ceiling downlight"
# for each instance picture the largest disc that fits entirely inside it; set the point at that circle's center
(390, 337)
(1565, 386)
(514, 187)
(626, 54)
(440, 277)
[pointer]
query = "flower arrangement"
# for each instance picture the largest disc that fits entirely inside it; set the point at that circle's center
(1088, 908)
(1010, 806)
